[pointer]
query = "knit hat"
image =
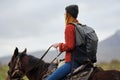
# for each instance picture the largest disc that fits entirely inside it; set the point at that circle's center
(72, 10)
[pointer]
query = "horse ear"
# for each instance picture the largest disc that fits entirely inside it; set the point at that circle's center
(16, 51)
(25, 50)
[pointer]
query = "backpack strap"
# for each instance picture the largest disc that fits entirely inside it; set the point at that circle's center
(80, 31)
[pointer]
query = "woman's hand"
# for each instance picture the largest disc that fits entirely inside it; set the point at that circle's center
(55, 45)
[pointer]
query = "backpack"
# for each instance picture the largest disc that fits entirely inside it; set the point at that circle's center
(86, 44)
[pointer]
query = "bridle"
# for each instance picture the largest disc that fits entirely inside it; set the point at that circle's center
(16, 68)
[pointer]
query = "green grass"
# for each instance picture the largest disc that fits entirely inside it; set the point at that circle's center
(3, 72)
(114, 64)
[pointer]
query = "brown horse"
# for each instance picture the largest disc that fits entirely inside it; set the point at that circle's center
(22, 64)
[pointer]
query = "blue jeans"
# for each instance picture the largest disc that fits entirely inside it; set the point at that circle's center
(62, 71)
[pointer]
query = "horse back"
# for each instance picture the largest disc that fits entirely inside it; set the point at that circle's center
(105, 75)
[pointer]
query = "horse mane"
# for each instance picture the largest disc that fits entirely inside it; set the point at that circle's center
(37, 71)
(33, 60)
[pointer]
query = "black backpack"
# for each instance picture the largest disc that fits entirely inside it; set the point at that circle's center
(86, 44)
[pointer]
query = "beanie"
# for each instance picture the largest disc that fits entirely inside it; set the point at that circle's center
(72, 10)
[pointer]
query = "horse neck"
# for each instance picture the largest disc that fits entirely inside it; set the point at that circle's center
(38, 72)
(34, 73)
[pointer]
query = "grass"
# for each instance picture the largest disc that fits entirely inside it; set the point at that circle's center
(3, 72)
(114, 64)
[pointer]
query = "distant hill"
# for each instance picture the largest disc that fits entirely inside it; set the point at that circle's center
(108, 50)
(48, 58)
(4, 60)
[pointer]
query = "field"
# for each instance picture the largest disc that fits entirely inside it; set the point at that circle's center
(3, 72)
(114, 64)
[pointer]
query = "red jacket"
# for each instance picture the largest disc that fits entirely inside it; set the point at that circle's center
(69, 42)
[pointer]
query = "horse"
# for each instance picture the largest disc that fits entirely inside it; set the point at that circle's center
(22, 64)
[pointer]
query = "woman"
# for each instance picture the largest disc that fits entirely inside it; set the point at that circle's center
(69, 45)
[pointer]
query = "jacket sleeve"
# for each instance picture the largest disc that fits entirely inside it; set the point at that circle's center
(69, 39)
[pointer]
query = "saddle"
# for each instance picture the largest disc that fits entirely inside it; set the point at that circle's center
(81, 73)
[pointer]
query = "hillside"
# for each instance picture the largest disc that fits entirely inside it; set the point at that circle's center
(109, 48)
(48, 58)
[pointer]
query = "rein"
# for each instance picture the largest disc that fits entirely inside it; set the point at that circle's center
(42, 57)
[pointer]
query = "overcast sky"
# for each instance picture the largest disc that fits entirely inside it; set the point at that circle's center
(36, 24)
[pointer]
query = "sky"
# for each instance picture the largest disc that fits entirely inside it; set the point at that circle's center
(37, 24)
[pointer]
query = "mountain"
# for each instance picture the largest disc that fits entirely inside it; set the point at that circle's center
(109, 48)
(5, 60)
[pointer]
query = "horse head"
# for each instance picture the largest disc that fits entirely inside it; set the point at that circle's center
(15, 65)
